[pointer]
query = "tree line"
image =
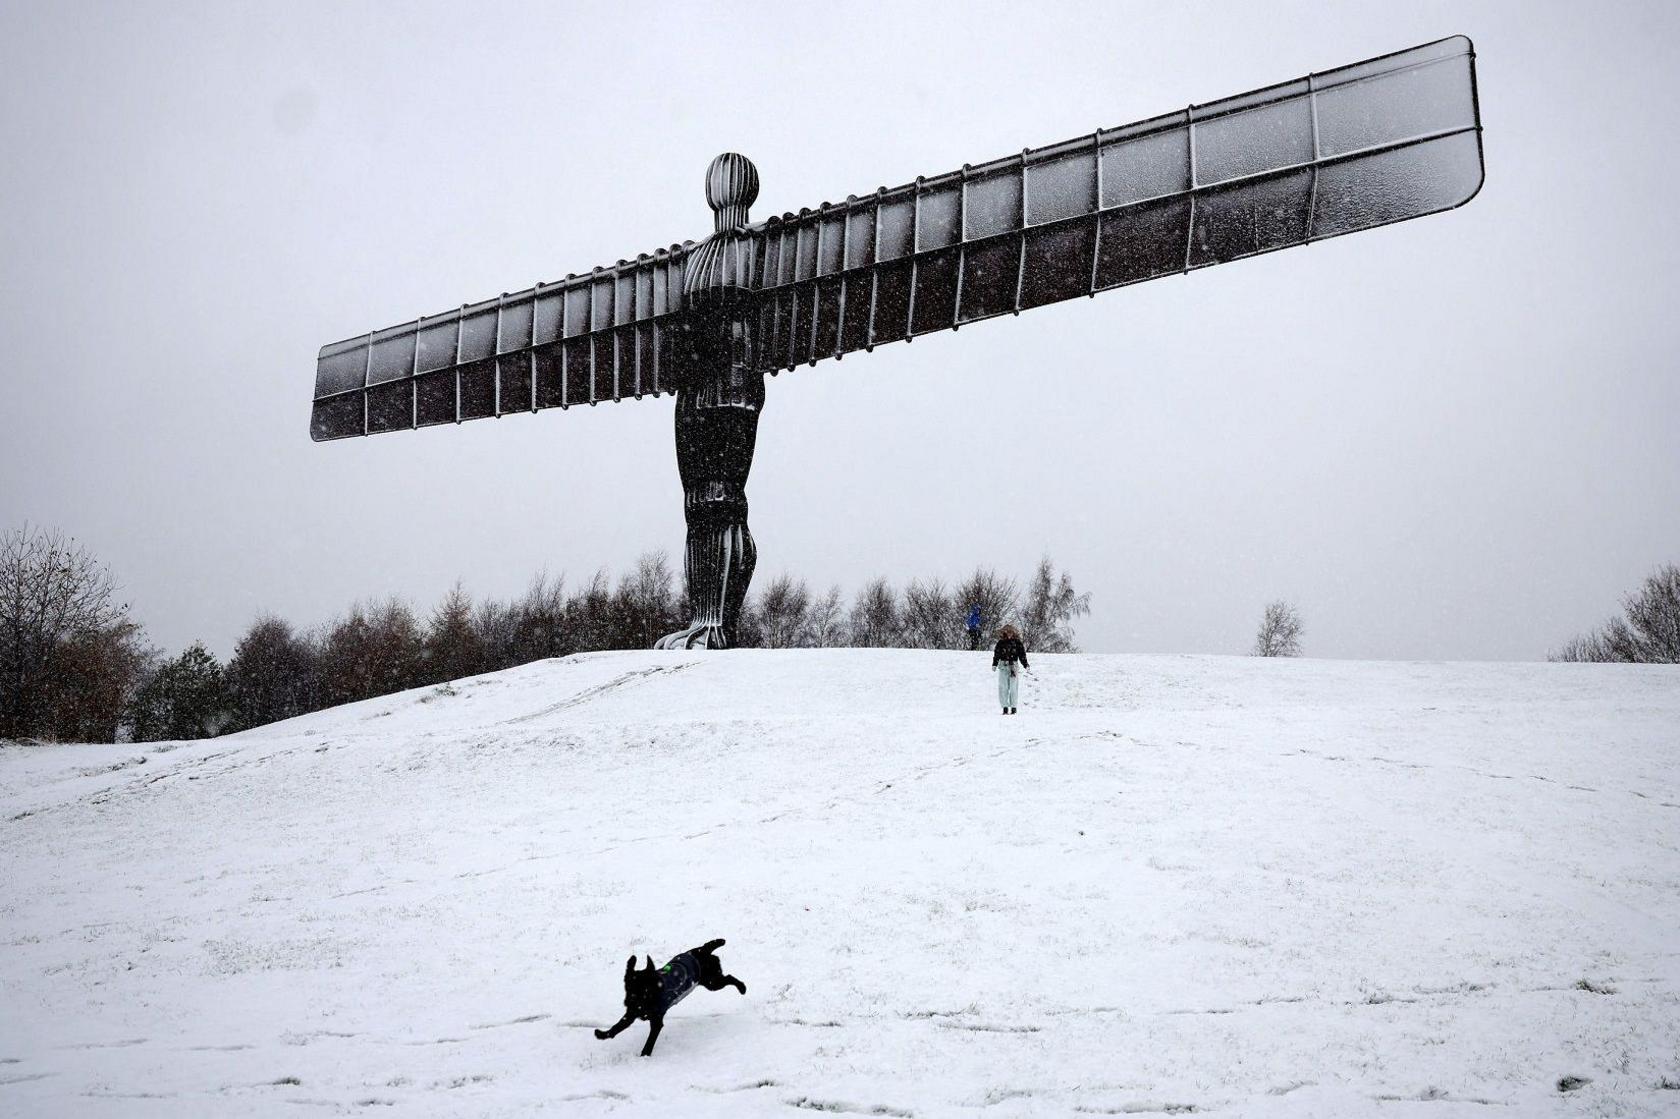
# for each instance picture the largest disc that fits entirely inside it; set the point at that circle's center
(75, 667)
(1647, 632)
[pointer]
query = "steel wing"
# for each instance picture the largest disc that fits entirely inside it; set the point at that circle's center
(601, 336)
(1365, 145)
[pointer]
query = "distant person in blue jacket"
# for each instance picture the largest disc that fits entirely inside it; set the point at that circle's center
(1008, 653)
(974, 627)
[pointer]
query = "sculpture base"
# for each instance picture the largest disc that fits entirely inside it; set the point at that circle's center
(698, 636)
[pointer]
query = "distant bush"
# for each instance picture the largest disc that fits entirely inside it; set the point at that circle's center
(1648, 632)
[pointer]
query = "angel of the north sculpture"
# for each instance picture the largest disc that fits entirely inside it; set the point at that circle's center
(1354, 148)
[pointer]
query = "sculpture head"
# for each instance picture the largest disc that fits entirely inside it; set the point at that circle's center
(731, 187)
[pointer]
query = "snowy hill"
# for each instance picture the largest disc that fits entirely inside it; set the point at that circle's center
(1170, 884)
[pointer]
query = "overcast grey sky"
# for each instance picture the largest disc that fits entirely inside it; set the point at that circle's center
(1450, 438)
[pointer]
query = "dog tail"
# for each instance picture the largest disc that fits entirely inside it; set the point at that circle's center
(711, 946)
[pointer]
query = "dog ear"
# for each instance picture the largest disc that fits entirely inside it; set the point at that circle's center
(629, 967)
(650, 963)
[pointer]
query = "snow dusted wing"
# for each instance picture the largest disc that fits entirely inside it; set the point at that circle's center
(601, 336)
(1377, 142)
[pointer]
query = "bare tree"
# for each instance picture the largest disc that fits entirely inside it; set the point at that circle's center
(1280, 631)
(782, 614)
(69, 654)
(588, 618)
(828, 620)
(1649, 632)
(503, 634)
(373, 650)
(1585, 647)
(929, 619)
(536, 627)
(997, 597)
(647, 602)
(874, 617)
(1052, 605)
(90, 683)
(1654, 616)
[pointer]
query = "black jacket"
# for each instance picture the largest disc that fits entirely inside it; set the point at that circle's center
(677, 978)
(1008, 651)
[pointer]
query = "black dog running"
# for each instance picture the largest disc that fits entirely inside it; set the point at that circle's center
(649, 993)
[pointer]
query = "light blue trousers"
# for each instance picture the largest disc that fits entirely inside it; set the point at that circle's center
(1009, 684)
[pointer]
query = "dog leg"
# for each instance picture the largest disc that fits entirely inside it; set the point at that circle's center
(654, 1026)
(617, 1028)
(713, 979)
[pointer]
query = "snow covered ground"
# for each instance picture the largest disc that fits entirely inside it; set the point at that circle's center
(1170, 884)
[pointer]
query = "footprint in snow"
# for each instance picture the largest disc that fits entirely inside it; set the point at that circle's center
(753, 1086)
(124, 1044)
(841, 1106)
(515, 1022)
(1285, 1089)
(987, 1028)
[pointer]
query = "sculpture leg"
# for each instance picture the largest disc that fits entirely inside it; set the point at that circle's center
(716, 436)
(717, 566)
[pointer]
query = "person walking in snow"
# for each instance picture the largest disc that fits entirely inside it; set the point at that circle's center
(1005, 656)
(974, 627)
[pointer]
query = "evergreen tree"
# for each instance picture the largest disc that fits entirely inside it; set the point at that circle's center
(184, 698)
(272, 675)
(451, 648)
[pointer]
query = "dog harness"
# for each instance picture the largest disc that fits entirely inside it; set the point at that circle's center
(677, 978)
